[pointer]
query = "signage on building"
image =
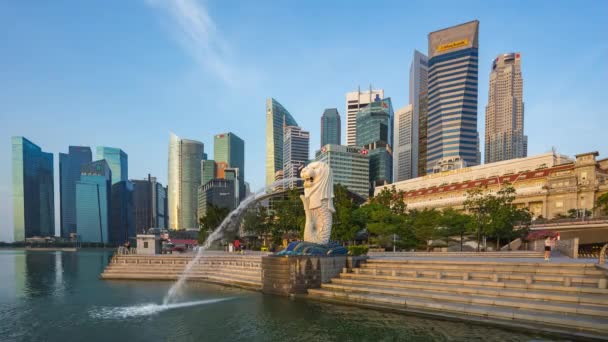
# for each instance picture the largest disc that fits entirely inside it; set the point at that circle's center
(452, 45)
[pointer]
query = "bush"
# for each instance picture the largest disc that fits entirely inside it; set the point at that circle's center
(357, 250)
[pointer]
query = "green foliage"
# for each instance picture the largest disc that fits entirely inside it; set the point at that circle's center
(213, 218)
(347, 221)
(357, 250)
(455, 223)
(288, 216)
(601, 203)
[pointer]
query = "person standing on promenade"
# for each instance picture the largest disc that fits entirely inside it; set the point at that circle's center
(548, 243)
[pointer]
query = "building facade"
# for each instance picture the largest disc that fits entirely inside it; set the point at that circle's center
(185, 158)
(217, 192)
(547, 184)
(419, 77)
(117, 160)
(122, 222)
(349, 165)
(330, 127)
(405, 165)
(276, 117)
(33, 190)
(229, 148)
(149, 204)
(208, 170)
(374, 133)
(69, 173)
(355, 101)
(452, 96)
(504, 137)
(296, 144)
(93, 197)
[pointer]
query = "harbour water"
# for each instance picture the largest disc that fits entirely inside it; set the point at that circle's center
(58, 296)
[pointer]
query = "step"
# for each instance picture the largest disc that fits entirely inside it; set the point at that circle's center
(181, 267)
(248, 282)
(594, 325)
(496, 292)
(491, 284)
(252, 273)
(540, 305)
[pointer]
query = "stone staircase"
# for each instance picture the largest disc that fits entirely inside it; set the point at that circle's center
(236, 270)
(497, 254)
(567, 298)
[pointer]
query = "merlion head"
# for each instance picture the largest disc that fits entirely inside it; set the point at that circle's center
(318, 183)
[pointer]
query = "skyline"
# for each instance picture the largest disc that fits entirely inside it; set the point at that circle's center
(163, 70)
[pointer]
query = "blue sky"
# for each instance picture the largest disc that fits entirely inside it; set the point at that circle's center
(125, 73)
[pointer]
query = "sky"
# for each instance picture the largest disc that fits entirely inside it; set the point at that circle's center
(125, 73)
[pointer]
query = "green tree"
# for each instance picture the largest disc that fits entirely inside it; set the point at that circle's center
(601, 203)
(478, 205)
(346, 223)
(424, 225)
(455, 223)
(212, 219)
(288, 215)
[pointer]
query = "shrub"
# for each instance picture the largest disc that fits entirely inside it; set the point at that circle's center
(357, 250)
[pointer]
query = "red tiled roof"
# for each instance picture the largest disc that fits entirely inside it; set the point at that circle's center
(184, 241)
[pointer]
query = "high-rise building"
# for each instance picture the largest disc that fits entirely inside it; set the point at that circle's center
(419, 77)
(122, 225)
(355, 101)
(217, 192)
(233, 174)
(330, 127)
(149, 204)
(93, 197)
(296, 144)
(374, 133)
(185, 158)
(69, 173)
(117, 160)
(505, 137)
(276, 117)
(229, 148)
(404, 165)
(209, 170)
(349, 165)
(33, 190)
(452, 137)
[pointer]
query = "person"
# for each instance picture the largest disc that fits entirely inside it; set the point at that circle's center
(547, 248)
(237, 245)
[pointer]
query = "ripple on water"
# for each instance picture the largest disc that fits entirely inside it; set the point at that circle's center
(145, 309)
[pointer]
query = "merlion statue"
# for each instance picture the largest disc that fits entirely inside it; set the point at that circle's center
(318, 202)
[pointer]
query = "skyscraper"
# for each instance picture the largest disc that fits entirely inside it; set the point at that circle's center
(93, 197)
(217, 192)
(229, 148)
(149, 204)
(453, 140)
(117, 160)
(505, 137)
(355, 101)
(69, 173)
(209, 171)
(276, 117)
(404, 166)
(33, 190)
(349, 165)
(330, 127)
(418, 96)
(185, 158)
(296, 144)
(374, 133)
(122, 225)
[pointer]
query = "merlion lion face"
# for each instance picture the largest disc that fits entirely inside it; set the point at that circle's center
(313, 174)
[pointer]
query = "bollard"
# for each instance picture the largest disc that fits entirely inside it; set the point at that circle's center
(601, 284)
(529, 280)
(495, 277)
(393, 273)
(567, 281)
(465, 276)
(345, 270)
(439, 275)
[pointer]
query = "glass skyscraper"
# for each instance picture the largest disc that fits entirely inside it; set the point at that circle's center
(185, 158)
(33, 190)
(276, 117)
(93, 195)
(149, 204)
(452, 137)
(330, 127)
(209, 171)
(419, 77)
(296, 144)
(117, 160)
(229, 148)
(374, 133)
(122, 225)
(69, 173)
(349, 165)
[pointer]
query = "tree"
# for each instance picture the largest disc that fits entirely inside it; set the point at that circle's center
(288, 215)
(455, 223)
(424, 225)
(601, 203)
(346, 223)
(212, 219)
(478, 205)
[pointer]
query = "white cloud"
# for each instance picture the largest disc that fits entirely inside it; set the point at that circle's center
(194, 29)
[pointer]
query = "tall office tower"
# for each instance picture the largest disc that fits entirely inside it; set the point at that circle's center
(117, 160)
(276, 117)
(185, 158)
(296, 143)
(93, 198)
(374, 133)
(33, 190)
(349, 165)
(208, 170)
(404, 164)
(505, 137)
(122, 225)
(453, 140)
(69, 173)
(330, 127)
(419, 77)
(233, 174)
(149, 204)
(216, 192)
(229, 148)
(355, 101)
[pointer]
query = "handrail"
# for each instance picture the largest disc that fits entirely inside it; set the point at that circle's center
(602, 258)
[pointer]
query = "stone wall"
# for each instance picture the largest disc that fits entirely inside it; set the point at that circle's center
(568, 247)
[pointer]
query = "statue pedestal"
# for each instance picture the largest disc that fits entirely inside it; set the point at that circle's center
(287, 275)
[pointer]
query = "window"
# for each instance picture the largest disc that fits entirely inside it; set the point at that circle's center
(146, 244)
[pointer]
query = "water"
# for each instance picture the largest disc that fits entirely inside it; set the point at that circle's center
(58, 296)
(230, 221)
